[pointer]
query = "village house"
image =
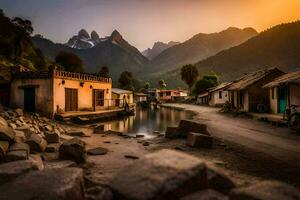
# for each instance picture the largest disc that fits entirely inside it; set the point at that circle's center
(247, 93)
(169, 95)
(202, 99)
(218, 95)
(54, 91)
(121, 97)
(284, 92)
(140, 97)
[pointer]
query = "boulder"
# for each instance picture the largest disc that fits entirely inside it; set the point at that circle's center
(19, 112)
(60, 184)
(265, 190)
(20, 146)
(218, 181)
(48, 128)
(97, 151)
(99, 129)
(199, 140)
(3, 149)
(165, 174)
(26, 130)
(74, 150)
(12, 125)
(52, 137)
(37, 159)
(11, 170)
(19, 123)
(205, 195)
(77, 133)
(171, 132)
(19, 136)
(3, 121)
(60, 164)
(186, 126)
(52, 148)
(99, 192)
(36, 143)
(6, 133)
(16, 155)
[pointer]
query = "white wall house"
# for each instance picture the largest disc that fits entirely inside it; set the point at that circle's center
(217, 96)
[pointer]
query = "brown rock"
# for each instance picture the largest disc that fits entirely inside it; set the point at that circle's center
(3, 149)
(99, 129)
(74, 150)
(165, 174)
(37, 159)
(205, 195)
(52, 137)
(3, 122)
(218, 181)
(266, 190)
(20, 146)
(52, 148)
(16, 155)
(60, 164)
(36, 143)
(97, 151)
(171, 132)
(7, 134)
(11, 170)
(19, 112)
(186, 126)
(50, 184)
(199, 140)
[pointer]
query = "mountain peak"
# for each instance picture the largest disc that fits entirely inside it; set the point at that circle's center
(83, 34)
(94, 35)
(116, 36)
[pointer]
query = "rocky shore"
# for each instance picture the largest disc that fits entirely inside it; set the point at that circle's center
(43, 159)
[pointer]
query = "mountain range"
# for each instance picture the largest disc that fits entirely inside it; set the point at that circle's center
(84, 41)
(157, 48)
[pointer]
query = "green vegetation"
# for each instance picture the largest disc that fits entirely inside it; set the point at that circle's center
(104, 72)
(69, 61)
(15, 43)
(126, 81)
(162, 84)
(189, 75)
(207, 81)
(146, 85)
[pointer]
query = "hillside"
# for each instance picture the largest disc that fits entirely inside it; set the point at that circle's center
(115, 52)
(199, 47)
(157, 48)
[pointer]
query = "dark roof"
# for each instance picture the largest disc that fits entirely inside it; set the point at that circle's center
(292, 77)
(222, 86)
(250, 78)
(120, 91)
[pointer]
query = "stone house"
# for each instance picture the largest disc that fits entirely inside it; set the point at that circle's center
(218, 95)
(284, 92)
(55, 91)
(247, 93)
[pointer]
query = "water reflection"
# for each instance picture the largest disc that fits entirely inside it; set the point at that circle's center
(147, 120)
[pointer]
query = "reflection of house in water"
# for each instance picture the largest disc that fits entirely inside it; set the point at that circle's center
(55, 91)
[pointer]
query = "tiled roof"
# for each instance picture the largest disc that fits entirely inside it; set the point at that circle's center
(292, 77)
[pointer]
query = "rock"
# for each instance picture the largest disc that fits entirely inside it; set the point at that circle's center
(3, 149)
(37, 159)
(48, 128)
(51, 137)
(99, 129)
(20, 146)
(65, 137)
(7, 134)
(199, 140)
(12, 125)
(131, 156)
(171, 132)
(19, 112)
(265, 190)
(16, 155)
(52, 148)
(60, 184)
(11, 170)
(26, 130)
(165, 174)
(205, 195)
(186, 126)
(218, 181)
(36, 143)
(3, 122)
(97, 151)
(19, 123)
(146, 143)
(74, 150)
(60, 164)
(77, 133)
(19, 136)
(98, 192)
(139, 136)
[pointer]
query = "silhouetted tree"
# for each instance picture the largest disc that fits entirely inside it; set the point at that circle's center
(104, 72)
(126, 81)
(189, 75)
(162, 84)
(70, 61)
(207, 81)
(146, 85)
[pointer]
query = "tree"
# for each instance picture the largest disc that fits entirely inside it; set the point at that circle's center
(162, 84)
(104, 72)
(146, 85)
(189, 75)
(126, 81)
(207, 81)
(71, 62)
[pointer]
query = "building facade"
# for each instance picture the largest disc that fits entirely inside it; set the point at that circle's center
(217, 96)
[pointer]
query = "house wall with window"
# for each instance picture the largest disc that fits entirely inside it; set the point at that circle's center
(273, 100)
(218, 97)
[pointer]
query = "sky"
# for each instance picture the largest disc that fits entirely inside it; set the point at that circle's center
(143, 22)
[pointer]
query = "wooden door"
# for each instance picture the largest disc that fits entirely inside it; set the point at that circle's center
(29, 99)
(71, 99)
(282, 94)
(98, 98)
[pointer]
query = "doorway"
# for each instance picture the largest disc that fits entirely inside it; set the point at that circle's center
(29, 99)
(98, 98)
(282, 94)
(71, 99)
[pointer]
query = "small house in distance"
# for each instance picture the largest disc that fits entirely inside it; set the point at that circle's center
(140, 97)
(247, 94)
(54, 91)
(202, 99)
(218, 95)
(284, 92)
(121, 97)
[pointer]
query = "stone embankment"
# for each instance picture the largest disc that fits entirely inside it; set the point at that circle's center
(165, 174)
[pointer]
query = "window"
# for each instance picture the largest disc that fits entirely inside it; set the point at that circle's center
(220, 94)
(273, 93)
(168, 93)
